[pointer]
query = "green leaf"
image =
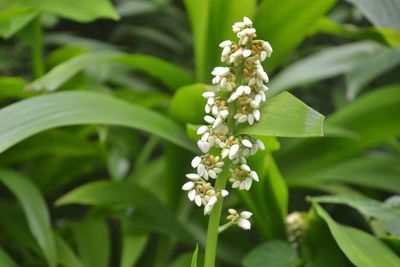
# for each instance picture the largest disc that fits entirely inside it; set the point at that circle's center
(286, 116)
(78, 10)
(211, 23)
(35, 210)
(384, 36)
(318, 246)
(5, 259)
(31, 116)
(14, 19)
(187, 105)
(322, 65)
(126, 194)
(369, 207)
(373, 116)
(276, 20)
(361, 248)
(374, 171)
(383, 13)
(66, 255)
(268, 200)
(133, 246)
(362, 74)
(13, 87)
(171, 75)
(272, 254)
(194, 257)
(93, 242)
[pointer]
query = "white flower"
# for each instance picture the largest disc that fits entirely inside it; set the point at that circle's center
(242, 219)
(243, 177)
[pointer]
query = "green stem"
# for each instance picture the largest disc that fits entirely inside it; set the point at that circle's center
(37, 48)
(213, 223)
(225, 226)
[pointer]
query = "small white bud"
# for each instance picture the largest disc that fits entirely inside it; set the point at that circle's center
(247, 143)
(188, 186)
(202, 129)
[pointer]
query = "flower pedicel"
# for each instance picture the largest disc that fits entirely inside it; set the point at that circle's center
(235, 100)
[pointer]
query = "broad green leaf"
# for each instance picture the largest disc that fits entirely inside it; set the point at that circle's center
(35, 210)
(268, 199)
(318, 246)
(362, 74)
(171, 75)
(361, 248)
(14, 19)
(283, 115)
(384, 36)
(28, 117)
(211, 22)
(187, 104)
(54, 143)
(382, 13)
(78, 10)
(133, 246)
(373, 116)
(369, 207)
(66, 255)
(272, 254)
(325, 64)
(286, 116)
(93, 242)
(194, 257)
(13, 87)
(126, 194)
(278, 20)
(5, 259)
(379, 172)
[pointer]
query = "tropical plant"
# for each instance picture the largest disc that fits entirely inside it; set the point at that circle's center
(101, 108)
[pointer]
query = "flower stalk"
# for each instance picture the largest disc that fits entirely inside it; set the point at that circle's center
(235, 101)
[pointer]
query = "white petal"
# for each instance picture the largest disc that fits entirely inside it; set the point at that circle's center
(247, 21)
(193, 176)
(233, 97)
(224, 193)
(201, 169)
(209, 119)
(247, 143)
(260, 145)
(250, 119)
(242, 118)
(233, 151)
(212, 201)
(208, 94)
(224, 153)
(204, 146)
(236, 184)
(256, 114)
(225, 43)
(196, 161)
(232, 211)
(245, 167)
(247, 183)
(218, 122)
(263, 55)
(240, 90)
(192, 195)
(197, 200)
(268, 48)
(202, 129)
(244, 224)
(207, 209)
(212, 174)
(246, 53)
(247, 90)
(224, 113)
(207, 108)
(254, 176)
(262, 74)
(188, 186)
(246, 214)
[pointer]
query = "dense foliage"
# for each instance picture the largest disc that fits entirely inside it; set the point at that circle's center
(100, 103)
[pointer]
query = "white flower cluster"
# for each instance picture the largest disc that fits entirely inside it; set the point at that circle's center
(239, 92)
(242, 219)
